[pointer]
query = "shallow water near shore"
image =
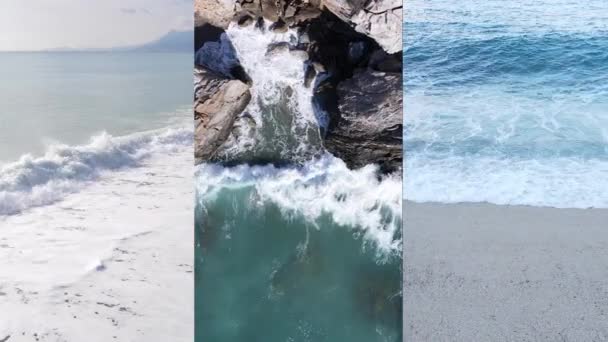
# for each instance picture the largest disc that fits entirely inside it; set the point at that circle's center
(506, 103)
(69, 97)
(95, 197)
(69, 119)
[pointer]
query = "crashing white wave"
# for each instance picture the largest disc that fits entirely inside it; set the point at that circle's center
(285, 128)
(550, 182)
(63, 169)
(354, 198)
(281, 105)
(497, 145)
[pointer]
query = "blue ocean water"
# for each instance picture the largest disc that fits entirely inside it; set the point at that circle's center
(66, 118)
(506, 102)
(67, 97)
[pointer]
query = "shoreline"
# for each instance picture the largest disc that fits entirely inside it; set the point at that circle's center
(491, 204)
(111, 258)
(477, 271)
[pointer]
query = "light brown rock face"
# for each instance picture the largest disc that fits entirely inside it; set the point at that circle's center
(218, 13)
(352, 62)
(219, 101)
(380, 20)
(282, 11)
(370, 125)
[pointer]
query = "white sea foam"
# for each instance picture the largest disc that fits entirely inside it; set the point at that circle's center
(281, 105)
(119, 240)
(552, 182)
(325, 186)
(35, 181)
(488, 144)
(286, 128)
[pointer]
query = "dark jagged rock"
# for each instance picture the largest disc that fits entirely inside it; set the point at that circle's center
(309, 73)
(382, 61)
(219, 56)
(206, 33)
(325, 102)
(276, 48)
(370, 124)
(260, 25)
(245, 20)
(378, 19)
(281, 11)
(357, 96)
(350, 49)
(278, 27)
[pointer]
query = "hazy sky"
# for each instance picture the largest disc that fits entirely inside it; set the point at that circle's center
(44, 24)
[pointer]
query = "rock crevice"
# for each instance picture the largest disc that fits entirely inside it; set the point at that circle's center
(351, 50)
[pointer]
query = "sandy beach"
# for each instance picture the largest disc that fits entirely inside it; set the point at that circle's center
(112, 262)
(482, 272)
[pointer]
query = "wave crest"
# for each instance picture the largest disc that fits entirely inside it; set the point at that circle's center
(63, 169)
(356, 199)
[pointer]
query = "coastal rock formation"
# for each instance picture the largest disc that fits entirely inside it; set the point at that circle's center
(283, 13)
(357, 95)
(380, 20)
(221, 84)
(219, 101)
(218, 13)
(352, 62)
(370, 124)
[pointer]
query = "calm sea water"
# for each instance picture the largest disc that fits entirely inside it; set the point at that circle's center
(507, 102)
(68, 118)
(69, 97)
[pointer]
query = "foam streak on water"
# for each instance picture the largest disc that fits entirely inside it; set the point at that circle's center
(507, 103)
(355, 199)
(279, 122)
(63, 169)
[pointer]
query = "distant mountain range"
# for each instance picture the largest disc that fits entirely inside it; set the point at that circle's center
(173, 41)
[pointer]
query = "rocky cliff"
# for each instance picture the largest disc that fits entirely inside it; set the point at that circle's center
(351, 50)
(219, 101)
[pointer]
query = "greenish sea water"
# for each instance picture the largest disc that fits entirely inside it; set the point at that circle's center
(296, 248)
(275, 263)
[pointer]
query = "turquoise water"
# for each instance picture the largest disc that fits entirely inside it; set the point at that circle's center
(280, 259)
(69, 97)
(304, 251)
(262, 276)
(507, 102)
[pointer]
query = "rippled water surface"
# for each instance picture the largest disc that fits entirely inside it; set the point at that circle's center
(507, 102)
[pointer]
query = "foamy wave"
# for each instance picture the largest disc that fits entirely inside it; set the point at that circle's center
(552, 182)
(279, 122)
(36, 181)
(357, 199)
